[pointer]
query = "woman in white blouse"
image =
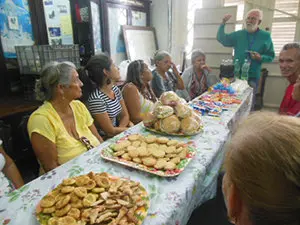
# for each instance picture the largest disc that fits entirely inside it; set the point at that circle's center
(10, 177)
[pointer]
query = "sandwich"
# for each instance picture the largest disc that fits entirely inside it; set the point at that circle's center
(170, 124)
(149, 119)
(182, 110)
(189, 125)
(169, 98)
(163, 111)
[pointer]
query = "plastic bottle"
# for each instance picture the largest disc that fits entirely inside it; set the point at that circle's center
(245, 70)
(237, 69)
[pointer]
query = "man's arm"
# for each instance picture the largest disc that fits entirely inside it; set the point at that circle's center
(269, 55)
(227, 40)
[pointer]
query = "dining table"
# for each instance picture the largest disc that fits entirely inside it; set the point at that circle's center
(172, 199)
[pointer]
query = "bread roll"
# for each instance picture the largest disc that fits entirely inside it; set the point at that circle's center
(170, 124)
(189, 125)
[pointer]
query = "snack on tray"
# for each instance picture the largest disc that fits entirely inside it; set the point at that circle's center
(163, 111)
(169, 98)
(189, 125)
(95, 198)
(182, 110)
(170, 124)
(151, 151)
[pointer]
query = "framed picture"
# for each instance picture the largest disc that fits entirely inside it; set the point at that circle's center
(140, 42)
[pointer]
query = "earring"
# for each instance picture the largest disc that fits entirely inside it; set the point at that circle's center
(108, 81)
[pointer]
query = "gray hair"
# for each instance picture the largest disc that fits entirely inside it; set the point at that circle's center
(196, 53)
(52, 74)
(292, 45)
(160, 55)
(260, 13)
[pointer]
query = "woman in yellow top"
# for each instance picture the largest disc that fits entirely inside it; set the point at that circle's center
(137, 93)
(62, 128)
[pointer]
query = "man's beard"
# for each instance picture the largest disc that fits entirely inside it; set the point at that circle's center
(251, 27)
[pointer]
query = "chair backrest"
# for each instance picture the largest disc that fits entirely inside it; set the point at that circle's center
(262, 82)
(5, 136)
(23, 128)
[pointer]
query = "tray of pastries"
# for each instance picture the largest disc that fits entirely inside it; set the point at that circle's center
(157, 155)
(94, 198)
(173, 116)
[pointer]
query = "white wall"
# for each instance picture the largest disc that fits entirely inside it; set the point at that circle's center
(159, 20)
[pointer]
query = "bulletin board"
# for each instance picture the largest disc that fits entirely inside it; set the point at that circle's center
(141, 42)
(58, 22)
(15, 26)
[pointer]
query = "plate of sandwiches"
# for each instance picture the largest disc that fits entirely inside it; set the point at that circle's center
(173, 116)
(156, 155)
(94, 198)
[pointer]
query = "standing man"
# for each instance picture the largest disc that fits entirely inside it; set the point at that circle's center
(252, 43)
(289, 63)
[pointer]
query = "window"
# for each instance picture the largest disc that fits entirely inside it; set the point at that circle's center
(284, 23)
(240, 11)
(240, 8)
(192, 7)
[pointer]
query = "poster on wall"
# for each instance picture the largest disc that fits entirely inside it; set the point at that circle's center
(58, 21)
(15, 26)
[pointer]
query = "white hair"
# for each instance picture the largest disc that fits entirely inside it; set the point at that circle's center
(260, 13)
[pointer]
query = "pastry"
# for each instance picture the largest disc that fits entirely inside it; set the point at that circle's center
(157, 153)
(170, 124)
(183, 110)
(170, 149)
(160, 164)
(143, 152)
(169, 98)
(133, 137)
(172, 142)
(170, 166)
(162, 140)
(150, 139)
(163, 111)
(149, 161)
(175, 160)
(47, 201)
(189, 125)
(149, 119)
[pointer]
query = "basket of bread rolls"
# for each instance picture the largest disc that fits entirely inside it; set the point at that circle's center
(172, 115)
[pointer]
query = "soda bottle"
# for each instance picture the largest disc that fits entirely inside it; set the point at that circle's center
(237, 69)
(245, 70)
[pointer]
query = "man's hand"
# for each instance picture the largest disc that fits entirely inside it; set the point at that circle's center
(255, 56)
(226, 18)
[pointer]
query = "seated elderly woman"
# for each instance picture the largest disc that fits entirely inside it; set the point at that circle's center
(262, 181)
(105, 101)
(10, 177)
(138, 95)
(296, 92)
(163, 78)
(62, 128)
(197, 78)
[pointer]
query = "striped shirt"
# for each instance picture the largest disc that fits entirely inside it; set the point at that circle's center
(98, 102)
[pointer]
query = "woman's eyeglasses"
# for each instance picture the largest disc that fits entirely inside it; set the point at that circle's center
(86, 142)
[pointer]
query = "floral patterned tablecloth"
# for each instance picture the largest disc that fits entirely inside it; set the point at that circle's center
(172, 200)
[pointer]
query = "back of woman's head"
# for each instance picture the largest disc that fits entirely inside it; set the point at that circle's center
(263, 162)
(52, 74)
(95, 68)
(92, 75)
(134, 72)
